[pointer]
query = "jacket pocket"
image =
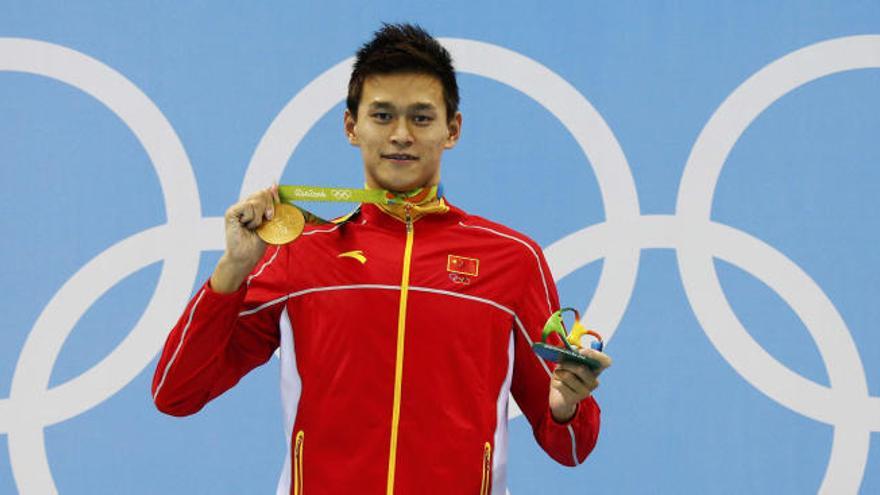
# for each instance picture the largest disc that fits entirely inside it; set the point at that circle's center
(298, 463)
(486, 485)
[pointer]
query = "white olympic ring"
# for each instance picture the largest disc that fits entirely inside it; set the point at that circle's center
(460, 279)
(341, 194)
(846, 404)
(31, 404)
(696, 239)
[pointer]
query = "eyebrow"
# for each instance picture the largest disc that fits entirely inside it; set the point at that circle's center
(415, 107)
(381, 105)
(418, 107)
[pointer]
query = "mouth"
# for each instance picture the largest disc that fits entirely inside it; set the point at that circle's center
(400, 157)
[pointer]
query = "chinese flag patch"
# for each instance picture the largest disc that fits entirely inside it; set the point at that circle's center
(462, 265)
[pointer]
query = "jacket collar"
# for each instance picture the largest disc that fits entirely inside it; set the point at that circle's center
(375, 215)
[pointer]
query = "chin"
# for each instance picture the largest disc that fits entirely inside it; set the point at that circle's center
(402, 185)
(402, 189)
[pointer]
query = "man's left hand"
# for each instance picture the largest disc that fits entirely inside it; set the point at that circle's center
(573, 382)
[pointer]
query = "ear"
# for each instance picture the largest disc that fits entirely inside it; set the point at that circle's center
(350, 127)
(454, 127)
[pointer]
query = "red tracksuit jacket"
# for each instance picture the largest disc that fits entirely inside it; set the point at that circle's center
(400, 344)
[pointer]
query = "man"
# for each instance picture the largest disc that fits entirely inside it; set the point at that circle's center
(438, 308)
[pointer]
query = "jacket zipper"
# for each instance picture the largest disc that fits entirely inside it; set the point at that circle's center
(401, 331)
(487, 470)
(297, 464)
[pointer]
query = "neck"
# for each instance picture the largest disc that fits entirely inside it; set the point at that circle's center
(417, 203)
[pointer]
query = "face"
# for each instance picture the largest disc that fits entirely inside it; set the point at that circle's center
(402, 130)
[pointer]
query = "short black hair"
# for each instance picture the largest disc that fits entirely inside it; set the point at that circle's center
(397, 48)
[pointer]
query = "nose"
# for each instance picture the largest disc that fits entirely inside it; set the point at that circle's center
(401, 135)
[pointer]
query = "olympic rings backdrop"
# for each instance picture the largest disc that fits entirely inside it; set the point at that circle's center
(701, 175)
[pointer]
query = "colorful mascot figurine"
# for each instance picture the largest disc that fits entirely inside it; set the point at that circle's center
(571, 341)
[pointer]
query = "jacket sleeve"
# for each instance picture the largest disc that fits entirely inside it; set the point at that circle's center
(571, 442)
(221, 337)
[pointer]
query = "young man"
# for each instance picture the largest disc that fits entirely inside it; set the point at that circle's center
(439, 308)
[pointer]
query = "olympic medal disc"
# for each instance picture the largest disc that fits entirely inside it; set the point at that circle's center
(285, 226)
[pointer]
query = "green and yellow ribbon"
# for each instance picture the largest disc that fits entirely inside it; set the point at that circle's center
(290, 194)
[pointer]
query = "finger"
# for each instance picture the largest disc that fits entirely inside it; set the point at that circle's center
(268, 204)
(568, 394)
(589, 384)
(581, 371)
(573, 382)
(275, 196)
(233, 213)
(603, 359)
(257, 210)
(244, 213)
(577, 382)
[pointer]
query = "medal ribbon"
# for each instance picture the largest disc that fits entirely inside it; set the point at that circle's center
(289, 194)
(416, 197)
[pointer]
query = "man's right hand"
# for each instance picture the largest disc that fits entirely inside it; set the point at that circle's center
(244, 248)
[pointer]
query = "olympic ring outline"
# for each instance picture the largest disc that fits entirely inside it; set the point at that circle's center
(341, 194)
(459, 279)
(696, 239)
(607, 228)
(28, 410)
(852, 405)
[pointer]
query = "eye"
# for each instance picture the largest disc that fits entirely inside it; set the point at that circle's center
(381, 116)
(423, 119)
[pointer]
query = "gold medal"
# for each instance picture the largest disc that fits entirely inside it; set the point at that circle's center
(286, 225)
